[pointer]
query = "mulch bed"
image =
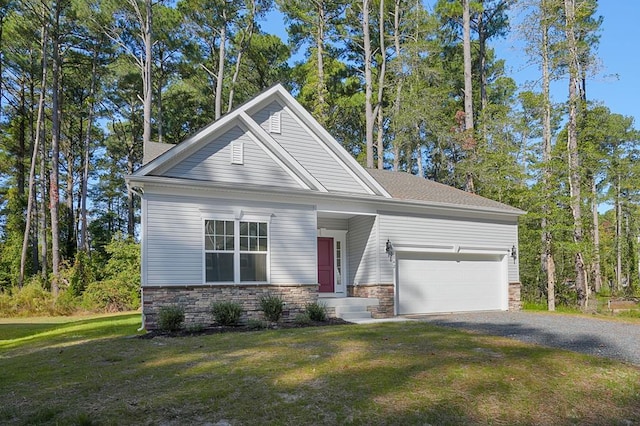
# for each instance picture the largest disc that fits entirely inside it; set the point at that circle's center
(217, 329)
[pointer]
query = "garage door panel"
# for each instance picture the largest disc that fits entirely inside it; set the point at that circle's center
(448, 283)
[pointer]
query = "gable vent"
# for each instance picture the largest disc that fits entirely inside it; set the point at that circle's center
(274, 122)
(237, 153)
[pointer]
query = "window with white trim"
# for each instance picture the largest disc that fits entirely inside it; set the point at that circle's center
(236, 251)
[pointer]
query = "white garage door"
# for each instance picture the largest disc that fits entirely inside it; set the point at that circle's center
(430, 283)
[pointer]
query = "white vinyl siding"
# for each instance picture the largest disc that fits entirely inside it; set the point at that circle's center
(213, 163)
(293, 247)
(308, 152)
(333, 223)
(361, 250)
(463, 233)
(174, 239)
(173, 242)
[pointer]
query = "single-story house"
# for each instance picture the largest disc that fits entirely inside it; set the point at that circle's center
(265, 201)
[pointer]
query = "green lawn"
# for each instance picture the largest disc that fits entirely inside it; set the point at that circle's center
(91, 371)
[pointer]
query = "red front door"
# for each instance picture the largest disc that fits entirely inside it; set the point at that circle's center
(325, 265)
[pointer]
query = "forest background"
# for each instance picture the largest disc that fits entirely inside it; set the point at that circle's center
(85, 84)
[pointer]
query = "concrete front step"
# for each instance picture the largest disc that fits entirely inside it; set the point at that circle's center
(350, 308)
(354, 316)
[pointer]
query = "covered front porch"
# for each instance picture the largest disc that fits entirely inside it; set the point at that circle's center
(348, 253)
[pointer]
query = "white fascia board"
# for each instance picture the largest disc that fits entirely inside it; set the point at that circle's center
(305, 196)
(330, 142)
(274, 149)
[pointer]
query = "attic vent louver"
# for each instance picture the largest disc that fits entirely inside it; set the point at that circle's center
(237, 153)
(274, 122)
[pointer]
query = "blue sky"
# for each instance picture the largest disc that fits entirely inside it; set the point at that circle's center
(616, 84)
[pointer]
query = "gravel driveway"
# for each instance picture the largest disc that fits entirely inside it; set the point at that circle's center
(592, 336)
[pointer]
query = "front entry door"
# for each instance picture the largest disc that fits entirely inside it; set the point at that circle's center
(325, 265)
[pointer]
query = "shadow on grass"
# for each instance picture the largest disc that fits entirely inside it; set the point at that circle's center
(401, 373)
(13, 335)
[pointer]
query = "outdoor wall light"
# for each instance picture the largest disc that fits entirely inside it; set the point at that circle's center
(389, 249)
(514, 253)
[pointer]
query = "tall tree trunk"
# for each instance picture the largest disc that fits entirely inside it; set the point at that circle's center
(369, 113)
(35, 211)
(131, 218)
(42, 216)
(466, 47)
(71, 243)
(245, 41)
(597, 270)
(147, 86)
(482, 47)
(221, 56)
(22, 137)
(321, 109)
(381, 76)
(34, 154)
(396, 103)
(618, 285)
(84, 225)
(54, 192)
(420, 160)
(548, 262)
(468, 86)
(572, 152)
(160, 112)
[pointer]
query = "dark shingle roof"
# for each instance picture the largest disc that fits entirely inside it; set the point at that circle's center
(405, 186)
(155, 149)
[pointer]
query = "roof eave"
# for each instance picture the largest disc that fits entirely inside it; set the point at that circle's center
(140, 181)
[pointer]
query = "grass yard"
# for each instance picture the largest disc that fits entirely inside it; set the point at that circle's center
(91, 371)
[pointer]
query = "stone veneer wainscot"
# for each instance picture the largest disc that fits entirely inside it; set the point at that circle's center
(197, 301)
(383, 292)
(515, 304)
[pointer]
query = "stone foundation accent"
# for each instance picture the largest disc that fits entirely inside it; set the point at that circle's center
(197, 300)
(383, 292)
(514, 297)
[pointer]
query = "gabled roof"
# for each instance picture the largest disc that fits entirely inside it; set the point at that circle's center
(241, 116)
(405, 186)
(379, 184)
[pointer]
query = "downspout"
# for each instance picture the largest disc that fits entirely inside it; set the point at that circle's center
(142, 317)
(393, 257)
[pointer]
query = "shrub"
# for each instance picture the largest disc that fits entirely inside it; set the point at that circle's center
(6, 304)
(111, 295)
(256, 324)
(226, 312)
(32, 299)
(302, 319)
(195, 328)
(170, 318)
(66, 303)
(80, 274)
(316, 311)
(272, 306)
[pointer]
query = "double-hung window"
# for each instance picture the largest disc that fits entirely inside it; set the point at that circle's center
(236, 251)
